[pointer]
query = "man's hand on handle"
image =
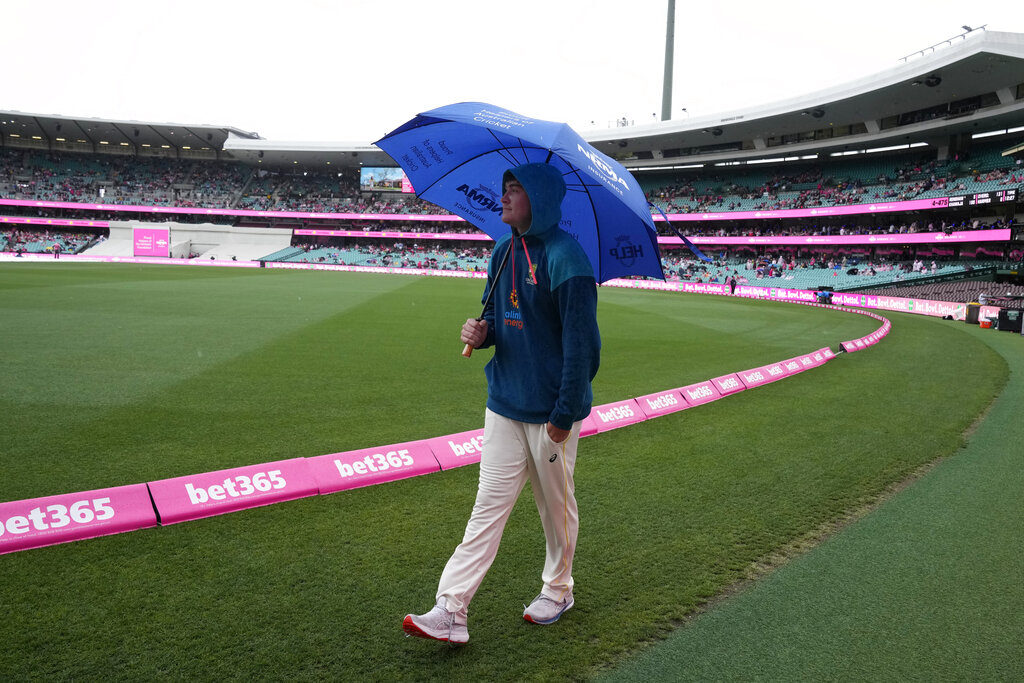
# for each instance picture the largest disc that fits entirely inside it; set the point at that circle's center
(474, 332)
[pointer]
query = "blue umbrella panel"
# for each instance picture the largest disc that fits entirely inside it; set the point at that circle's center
(455, 157)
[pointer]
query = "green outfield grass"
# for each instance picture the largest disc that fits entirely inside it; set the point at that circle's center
(122, 374)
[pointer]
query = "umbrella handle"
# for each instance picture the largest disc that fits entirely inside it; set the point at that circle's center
(467, 351)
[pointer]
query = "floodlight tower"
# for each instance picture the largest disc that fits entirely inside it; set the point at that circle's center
(666, 89)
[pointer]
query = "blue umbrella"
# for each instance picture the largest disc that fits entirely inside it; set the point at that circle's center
(455, 156)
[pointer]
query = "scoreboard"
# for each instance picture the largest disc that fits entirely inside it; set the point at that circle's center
(983, 198)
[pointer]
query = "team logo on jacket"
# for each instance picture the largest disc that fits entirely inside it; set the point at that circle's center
(625, 252)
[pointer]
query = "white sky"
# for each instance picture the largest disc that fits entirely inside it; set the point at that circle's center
(352, 70)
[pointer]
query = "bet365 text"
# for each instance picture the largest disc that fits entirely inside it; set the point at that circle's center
(57, 516)
(236, 487)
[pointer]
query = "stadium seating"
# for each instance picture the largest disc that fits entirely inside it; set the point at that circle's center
(961, 292)
(187, 183)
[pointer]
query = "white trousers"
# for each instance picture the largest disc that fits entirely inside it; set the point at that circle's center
(512, 453)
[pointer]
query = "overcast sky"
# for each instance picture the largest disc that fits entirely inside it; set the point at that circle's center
(351, 70)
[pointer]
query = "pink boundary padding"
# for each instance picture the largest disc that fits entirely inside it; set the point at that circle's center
(728, 384)
(662, 403)
(589, 427)
(456, 450)
(614, 415)
(214, 493)
(701, 393)
(368, 466)
(765, 374)
(50, 520)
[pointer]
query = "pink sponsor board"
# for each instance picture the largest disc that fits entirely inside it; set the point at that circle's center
(997, 235)
(151, 242)
(763, 375)
(701, 392)
(805, 362)
(703, 288)
(214, 493)
(663, 403)
(54, 221)
(854, 345)
(615, 415)
(368, 466)
(68, 517)
(456, 450)
(134, 208)
(792, 366)
(728, 384)
(478, 236)
(589, 427)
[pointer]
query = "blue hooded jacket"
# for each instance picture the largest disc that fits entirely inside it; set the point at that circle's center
(545, 337)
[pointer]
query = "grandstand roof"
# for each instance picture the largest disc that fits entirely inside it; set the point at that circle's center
(973, 83)
(969, 85)
(80, 134)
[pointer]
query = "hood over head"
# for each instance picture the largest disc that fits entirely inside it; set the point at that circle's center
(545, 187)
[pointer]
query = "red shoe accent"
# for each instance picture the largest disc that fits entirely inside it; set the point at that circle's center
(413, 630)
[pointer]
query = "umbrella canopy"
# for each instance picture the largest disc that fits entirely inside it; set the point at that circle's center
(455, 156)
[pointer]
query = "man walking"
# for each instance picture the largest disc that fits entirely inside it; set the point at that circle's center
(542, 323)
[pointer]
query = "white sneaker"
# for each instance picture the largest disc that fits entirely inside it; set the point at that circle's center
(438, 623)
(544, 610)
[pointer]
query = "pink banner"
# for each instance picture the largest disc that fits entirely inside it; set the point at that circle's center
(662, 403)
(702, 288)
(778, 293)
(151, 242)
(728, 384)
(700, 393)
(615, 415)
(62, 222)
(1000, 235)
(816, 212)
(215, 493)
(228, 212)
(456, 450)
(68, 517)
(474, 236)
(368, 466)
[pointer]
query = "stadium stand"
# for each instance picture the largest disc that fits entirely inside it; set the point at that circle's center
(249, 198)
(196, 184)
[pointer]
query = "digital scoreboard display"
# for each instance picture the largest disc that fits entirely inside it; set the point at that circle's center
(983, 198)
(383, 179)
